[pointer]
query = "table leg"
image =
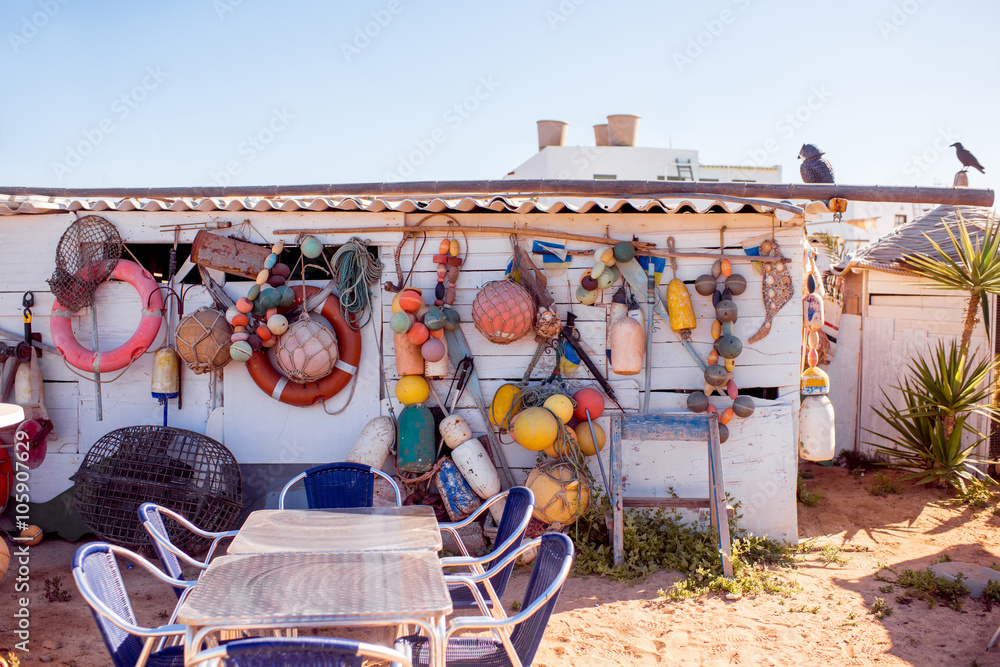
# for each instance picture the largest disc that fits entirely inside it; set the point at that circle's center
(438, 644)
(189, 649)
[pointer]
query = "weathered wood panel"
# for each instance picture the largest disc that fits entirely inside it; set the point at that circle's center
(260, 430)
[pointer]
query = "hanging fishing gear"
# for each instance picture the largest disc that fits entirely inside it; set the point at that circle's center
(355, 270)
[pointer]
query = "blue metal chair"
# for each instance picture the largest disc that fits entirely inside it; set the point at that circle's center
(518, 635)
(96, 573)
(301, 652)
(339, 485)
(170, 555)
(510, 532)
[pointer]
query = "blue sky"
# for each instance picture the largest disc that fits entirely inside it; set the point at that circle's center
(248, 92)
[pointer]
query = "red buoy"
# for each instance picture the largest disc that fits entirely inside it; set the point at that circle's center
(590, 400)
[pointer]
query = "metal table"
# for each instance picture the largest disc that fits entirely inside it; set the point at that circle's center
(408, 528)
(296, 590)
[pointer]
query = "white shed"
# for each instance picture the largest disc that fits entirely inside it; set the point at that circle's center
(890, 316)
(272, 440)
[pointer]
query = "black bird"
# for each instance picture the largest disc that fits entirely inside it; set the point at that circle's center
(814, 168)
(967, 159)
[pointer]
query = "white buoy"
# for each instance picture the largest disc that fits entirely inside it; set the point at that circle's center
(373, 444)
(817, 438)
(477, 468)
(455, 430)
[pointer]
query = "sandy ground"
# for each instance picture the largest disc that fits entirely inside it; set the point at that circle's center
(598, 622)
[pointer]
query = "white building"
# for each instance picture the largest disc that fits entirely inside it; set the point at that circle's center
(616, 157)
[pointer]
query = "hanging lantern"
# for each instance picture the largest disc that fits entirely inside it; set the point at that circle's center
(503, 311)
(307, 351)
(203, 340)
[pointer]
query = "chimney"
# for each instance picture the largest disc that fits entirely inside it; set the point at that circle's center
(601, 135)
(623, 129)
(551, 133)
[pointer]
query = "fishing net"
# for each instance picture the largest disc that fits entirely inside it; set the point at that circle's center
(503, 311)
(307, 351)
(203, 340)
(85, 257)
(562, 492)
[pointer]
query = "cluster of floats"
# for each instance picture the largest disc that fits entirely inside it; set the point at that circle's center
(302, 346)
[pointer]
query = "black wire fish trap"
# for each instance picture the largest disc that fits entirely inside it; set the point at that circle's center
(185, 471)
(86, 256)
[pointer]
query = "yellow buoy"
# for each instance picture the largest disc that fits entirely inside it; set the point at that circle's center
(4, 558)
(535, 429)
(412, 389)
(31, 536)
(565, 445)
(679, 306)
(560, 405)
(503, 408)
(560, 495)
(586, 442)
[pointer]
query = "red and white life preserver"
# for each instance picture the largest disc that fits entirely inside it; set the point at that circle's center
(277, 386)
(61, 325)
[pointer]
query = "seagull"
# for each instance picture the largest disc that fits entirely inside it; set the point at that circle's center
(814, 168)
(967, 159)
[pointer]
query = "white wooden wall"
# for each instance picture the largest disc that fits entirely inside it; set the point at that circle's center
(904, 317)
(759, 457)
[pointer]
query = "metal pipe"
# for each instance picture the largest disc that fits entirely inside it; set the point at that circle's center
(97, 356)
(650, 302)
(540, 187)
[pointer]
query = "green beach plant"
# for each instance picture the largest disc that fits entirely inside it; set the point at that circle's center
(939, 396)
(975, 269)
(946, 388)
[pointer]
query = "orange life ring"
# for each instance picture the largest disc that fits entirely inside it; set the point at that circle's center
(277, 386)
(61, 325)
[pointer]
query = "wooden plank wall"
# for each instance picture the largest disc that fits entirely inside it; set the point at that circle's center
(760, 458)
(260, 430)
(904, 317)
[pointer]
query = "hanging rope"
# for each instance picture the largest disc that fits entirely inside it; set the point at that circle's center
(355, 270)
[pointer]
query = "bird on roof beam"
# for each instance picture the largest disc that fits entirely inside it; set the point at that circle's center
(814, 168)
(966, 158)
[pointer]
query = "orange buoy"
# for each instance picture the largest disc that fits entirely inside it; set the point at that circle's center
(628, 344)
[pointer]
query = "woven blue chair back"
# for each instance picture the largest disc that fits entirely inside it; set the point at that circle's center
(553, 551)
(339, 485)
(304, 652)
(100, 568)
(519, 504)
(171, 565)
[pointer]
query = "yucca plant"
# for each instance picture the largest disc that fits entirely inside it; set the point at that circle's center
(939, 394)
(975, 270)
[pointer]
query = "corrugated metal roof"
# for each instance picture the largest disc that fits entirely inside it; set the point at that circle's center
(887, 253)
(26, 205)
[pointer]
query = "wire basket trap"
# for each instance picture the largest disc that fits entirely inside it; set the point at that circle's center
(86, 256)
(185, 471)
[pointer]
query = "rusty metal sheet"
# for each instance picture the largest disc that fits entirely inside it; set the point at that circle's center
(228, 254)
